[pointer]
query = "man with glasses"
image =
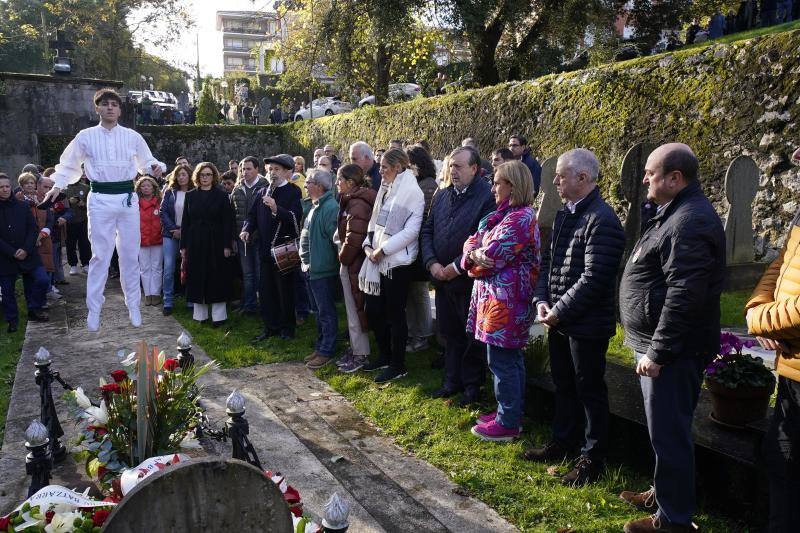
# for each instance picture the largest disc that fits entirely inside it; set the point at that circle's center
(276, 214)
(320, 260)
(519, 147)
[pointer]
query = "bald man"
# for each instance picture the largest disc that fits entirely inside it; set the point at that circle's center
(669, 304)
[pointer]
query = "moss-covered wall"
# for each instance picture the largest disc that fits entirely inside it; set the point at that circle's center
(723, 101)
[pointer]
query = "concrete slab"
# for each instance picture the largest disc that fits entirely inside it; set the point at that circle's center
(298, 425)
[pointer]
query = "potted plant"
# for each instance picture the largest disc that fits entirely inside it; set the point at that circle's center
(740, 385)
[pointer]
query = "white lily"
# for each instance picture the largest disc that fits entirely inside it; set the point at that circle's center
(129, 361)
(190, 443)
(62, 523)
(99, 414)
(82, 399)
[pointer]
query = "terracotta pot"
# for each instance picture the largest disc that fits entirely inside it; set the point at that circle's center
(740, 406)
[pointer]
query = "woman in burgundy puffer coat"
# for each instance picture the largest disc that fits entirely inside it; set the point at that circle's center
(356, 198)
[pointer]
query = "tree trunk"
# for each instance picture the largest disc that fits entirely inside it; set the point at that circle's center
(382, 64)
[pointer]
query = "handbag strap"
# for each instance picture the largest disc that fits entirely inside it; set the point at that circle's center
(278, 231)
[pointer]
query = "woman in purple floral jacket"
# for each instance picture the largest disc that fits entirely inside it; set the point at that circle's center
(503, 256)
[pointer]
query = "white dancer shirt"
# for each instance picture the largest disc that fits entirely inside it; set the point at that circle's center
(108, 155)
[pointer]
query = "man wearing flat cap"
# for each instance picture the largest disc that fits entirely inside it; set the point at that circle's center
(276, 215)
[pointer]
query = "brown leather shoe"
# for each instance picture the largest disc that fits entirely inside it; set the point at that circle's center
(654, 524)
(550, 452)
(318, 362)
(644, 501)
(311, 356)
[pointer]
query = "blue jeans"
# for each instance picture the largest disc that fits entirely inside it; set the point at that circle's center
(669, 403)
(35, 283)
(170, 248)
(323, 292)
(251, 270)
(508, 370)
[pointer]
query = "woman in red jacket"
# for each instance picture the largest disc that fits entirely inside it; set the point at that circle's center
(150, 257)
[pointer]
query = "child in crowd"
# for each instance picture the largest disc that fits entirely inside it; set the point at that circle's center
(150, 256)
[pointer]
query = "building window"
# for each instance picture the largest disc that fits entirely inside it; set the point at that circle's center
(234, 61)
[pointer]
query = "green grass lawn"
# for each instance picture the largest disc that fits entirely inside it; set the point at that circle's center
(438, 432)
(10, 350)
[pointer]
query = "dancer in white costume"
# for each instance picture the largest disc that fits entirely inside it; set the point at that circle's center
(111, 155)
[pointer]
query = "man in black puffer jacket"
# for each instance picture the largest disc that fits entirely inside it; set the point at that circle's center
(575, 298)
(669, 304)
(454, 216)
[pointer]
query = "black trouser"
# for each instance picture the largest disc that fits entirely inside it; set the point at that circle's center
(386, 314)
(276, 293)
(464, 356)
(78, 236)
(669, 404)
(782, 454)
(581, 416)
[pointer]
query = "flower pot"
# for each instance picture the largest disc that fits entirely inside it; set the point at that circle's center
(740, 406)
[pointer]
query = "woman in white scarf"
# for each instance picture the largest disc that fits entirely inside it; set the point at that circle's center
(391, 247)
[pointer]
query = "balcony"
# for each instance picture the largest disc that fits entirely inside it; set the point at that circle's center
(238, 49)
(240, 68)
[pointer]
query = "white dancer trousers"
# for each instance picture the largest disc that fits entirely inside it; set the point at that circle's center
(359, 340)
(113, 223)
(151, 269)
(219, 312)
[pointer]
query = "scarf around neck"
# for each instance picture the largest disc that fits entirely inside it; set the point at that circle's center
(390, 213)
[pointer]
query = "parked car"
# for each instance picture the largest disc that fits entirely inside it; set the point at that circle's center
(329, 105)
(398, 92)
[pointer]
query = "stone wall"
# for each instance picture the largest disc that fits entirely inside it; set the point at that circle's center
(37, 111)
(723, 100)
(217, 144)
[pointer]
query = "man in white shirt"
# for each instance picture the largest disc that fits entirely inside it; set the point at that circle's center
(112, 155)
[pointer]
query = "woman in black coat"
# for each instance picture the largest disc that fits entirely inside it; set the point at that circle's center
(206, 232)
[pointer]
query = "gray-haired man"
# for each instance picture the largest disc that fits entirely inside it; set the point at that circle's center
(575, 297)
(362, 155)
(320, 259)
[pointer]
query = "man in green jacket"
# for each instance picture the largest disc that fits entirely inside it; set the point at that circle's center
(320, 260)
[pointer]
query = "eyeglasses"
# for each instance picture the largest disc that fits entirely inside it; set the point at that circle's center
(206, 174)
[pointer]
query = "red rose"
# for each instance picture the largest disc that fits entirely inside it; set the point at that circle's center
(101, 472)
(48, 516)
(111, 387)
(99, 431)
(4, 523)
(119, 375)
(171, 364)
(99, 517)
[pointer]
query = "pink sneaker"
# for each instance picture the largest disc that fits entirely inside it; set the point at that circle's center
(487, 417)
(494, 432)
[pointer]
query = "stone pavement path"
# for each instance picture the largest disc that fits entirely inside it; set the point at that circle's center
(298, 425)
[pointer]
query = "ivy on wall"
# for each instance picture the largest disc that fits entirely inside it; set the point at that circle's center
(722, 100)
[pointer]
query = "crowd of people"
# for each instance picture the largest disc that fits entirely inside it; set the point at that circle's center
(380, 230)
